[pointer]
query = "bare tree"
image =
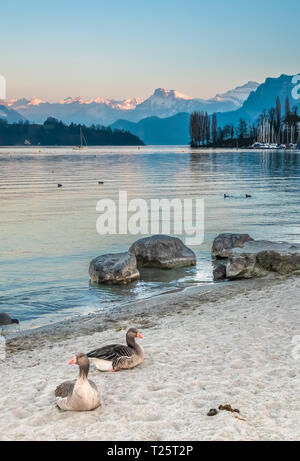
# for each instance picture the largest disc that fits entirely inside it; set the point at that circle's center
(214, 128)
(195, 129)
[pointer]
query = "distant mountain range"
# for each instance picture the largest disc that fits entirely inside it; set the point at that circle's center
(163, 118)
(262, 99)
(175, 129)
(162, 103)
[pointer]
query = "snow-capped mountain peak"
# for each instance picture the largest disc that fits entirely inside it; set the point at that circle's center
(35, 101)
(128, 104)
(239, 94)
(171, 94)
(125, 104)
(23, 102)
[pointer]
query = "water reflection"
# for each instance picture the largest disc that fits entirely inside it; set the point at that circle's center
(48, 235)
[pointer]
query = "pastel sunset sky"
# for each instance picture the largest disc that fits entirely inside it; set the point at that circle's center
(126, 48)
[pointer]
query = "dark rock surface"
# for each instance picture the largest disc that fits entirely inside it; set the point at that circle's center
(259, 257)
(162, 251)
(223, 243)
(118, 269)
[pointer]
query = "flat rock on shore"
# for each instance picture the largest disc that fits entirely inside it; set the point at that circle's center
(258, 257)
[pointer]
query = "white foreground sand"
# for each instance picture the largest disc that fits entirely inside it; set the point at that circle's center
(239, 349)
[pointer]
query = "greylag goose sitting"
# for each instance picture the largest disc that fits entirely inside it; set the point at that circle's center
(81, 394)
(117, 357)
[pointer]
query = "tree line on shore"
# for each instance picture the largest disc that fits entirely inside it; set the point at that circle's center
(275, 128)
(271, 127)
(56, 133)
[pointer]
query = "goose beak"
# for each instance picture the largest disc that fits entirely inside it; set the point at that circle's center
(73, 361)
(139, 335)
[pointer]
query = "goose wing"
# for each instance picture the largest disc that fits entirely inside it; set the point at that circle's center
(65, 389)
(93, 385)
(111, 352)
(123, 361)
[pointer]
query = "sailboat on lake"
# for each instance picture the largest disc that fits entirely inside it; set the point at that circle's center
(83, 144)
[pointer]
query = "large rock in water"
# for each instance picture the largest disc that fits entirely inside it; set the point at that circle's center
(259, 257)
(117, 269)
(223, 243)
(162, 251)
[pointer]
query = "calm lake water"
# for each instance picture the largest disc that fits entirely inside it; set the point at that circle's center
(48, 234)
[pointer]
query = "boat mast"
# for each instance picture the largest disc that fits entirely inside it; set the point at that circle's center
(82, 138)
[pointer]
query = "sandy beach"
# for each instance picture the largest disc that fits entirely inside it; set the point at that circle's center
(231, 344)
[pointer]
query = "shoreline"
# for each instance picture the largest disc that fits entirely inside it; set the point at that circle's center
(160, 304)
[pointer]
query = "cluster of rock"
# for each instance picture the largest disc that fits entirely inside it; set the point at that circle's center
(236, 256)
(244, 258)
(160, 251)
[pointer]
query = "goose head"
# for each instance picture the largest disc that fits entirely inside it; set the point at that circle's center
(82, 361)
(134, 333)
(131, 334)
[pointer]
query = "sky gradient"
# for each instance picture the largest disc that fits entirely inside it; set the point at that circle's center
(126, 48)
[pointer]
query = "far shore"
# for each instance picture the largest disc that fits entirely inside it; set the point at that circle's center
(140, 147)
(39, 146)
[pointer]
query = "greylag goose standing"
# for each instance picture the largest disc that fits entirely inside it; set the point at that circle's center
(80, 394)
(118, 357)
